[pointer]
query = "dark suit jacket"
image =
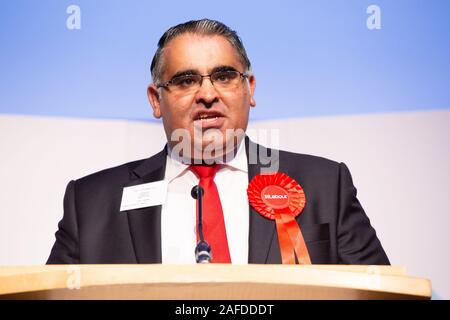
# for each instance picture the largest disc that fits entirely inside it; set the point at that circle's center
(333, 223)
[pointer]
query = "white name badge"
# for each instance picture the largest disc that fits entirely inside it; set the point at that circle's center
(144, 195)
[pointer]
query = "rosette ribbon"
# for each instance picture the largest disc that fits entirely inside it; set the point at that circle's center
(278, 197)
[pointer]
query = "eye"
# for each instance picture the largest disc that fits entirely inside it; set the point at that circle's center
(185, 81)
(224, 76)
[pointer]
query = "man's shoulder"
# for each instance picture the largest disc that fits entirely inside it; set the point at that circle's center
(289, 159)
(317, 174)
(312, 169)
(308, 160)
(112, 172)
(120, 174)
(260, 150)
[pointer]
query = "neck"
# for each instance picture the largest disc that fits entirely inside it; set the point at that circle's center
(213, 158)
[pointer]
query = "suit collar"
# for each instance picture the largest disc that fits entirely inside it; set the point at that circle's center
(155, 163)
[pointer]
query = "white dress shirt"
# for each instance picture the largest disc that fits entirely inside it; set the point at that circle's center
(178, 214)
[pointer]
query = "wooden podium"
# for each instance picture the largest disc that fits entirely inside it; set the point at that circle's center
(207, 282)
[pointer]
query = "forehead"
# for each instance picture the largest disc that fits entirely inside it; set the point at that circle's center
(199, 52)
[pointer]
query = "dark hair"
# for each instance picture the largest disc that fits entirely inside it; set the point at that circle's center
(204, 27)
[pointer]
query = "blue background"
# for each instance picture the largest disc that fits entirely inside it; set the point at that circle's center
(310, 58)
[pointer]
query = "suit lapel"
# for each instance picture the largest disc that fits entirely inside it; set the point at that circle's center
(145, 223)
(262, 230)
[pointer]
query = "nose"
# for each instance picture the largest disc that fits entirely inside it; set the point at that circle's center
(207, 93)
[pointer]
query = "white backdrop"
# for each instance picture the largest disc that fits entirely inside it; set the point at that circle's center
(400, 164)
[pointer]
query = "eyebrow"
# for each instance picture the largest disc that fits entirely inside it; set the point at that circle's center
(193, 71)
(223, 68)
(184, 73)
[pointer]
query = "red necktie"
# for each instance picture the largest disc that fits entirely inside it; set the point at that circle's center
(213, 221)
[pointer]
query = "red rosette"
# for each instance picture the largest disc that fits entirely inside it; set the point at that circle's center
(265, 194)
(278, 197)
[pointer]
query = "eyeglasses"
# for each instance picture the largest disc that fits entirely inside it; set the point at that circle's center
(221, 80)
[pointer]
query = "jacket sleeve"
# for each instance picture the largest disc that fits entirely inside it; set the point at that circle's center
(357, 239)
(66, 247)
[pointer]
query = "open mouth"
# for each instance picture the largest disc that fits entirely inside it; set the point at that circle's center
(206, 117)
(209, 120)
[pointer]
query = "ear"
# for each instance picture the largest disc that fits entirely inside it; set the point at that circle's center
(252, 85)
(154, 99)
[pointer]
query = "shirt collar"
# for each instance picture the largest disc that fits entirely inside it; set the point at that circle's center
(239, 162)
(174, 167)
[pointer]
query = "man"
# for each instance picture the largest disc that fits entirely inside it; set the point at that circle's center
(203, 89)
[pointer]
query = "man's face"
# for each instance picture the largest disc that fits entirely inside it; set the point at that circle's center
(222, 109)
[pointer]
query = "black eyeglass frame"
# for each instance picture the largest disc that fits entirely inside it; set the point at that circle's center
(170, 82)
